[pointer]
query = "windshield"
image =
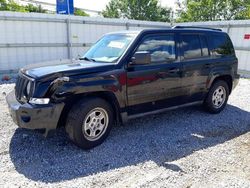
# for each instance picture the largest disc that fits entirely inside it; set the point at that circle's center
(109, 48)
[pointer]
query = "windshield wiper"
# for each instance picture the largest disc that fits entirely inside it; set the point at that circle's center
(87, 59)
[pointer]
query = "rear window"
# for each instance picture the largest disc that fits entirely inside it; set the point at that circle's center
(221, 45)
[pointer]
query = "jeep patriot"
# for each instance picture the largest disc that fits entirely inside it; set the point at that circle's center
(126, 75)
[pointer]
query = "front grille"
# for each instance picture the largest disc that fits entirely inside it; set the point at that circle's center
(20, 88)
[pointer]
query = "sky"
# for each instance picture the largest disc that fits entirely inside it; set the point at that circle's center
(99, 5)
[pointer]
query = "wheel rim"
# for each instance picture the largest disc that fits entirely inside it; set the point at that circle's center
(219, 97)
(95, 124)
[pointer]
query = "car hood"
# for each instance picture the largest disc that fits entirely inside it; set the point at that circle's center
(64, 67)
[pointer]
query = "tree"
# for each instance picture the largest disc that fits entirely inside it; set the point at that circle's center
(11, 5)
(212, 10)
(33, 8)
(137, 9)
(3, 5)
(79, 12)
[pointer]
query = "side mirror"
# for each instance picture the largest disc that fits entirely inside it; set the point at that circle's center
(141, 58)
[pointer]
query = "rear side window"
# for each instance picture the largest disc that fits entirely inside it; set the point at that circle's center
(204, 46)
(191, 46)
(221, 45)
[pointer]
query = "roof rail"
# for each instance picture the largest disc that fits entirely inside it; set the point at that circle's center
(194, 27)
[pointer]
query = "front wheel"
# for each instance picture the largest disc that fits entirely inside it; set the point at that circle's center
(89, 122)
(217, 97)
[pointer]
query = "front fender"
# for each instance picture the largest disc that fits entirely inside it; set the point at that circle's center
(113, 82)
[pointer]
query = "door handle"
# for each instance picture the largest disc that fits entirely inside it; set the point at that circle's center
(174, 70)
(162, 74)
(208, 65)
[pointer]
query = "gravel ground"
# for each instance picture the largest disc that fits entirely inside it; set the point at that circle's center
(182, 148)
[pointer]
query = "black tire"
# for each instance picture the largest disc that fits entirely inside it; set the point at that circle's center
(77, 116)
(208, 102)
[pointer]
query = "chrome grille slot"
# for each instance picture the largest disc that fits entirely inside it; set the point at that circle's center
(17, 87)
(19, 84)
(20, 89)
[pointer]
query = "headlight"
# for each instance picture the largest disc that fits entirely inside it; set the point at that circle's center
(39, 100)
(28, 88)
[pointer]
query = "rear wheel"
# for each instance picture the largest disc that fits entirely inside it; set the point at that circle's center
(89, 122)
(217, 97)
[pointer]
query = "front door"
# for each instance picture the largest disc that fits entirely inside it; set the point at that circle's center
(155, 85)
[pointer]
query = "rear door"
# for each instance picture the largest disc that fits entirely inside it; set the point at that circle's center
(152, 86)
(196, 65)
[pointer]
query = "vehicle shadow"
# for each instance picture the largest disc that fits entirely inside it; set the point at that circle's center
(160, 138)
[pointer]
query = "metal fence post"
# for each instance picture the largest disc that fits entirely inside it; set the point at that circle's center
(69, 42)
(127, 26)
(228, 29)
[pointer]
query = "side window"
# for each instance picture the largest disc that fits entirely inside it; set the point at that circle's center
(161, 48)
(191, 46)
(204, 46)
(221, 45)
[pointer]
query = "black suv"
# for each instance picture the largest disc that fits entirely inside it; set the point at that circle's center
(123, 76)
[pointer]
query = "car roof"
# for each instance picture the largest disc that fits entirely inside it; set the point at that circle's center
(171, 29)
(185, 29)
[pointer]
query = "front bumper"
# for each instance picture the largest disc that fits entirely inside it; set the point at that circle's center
(34, 116)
